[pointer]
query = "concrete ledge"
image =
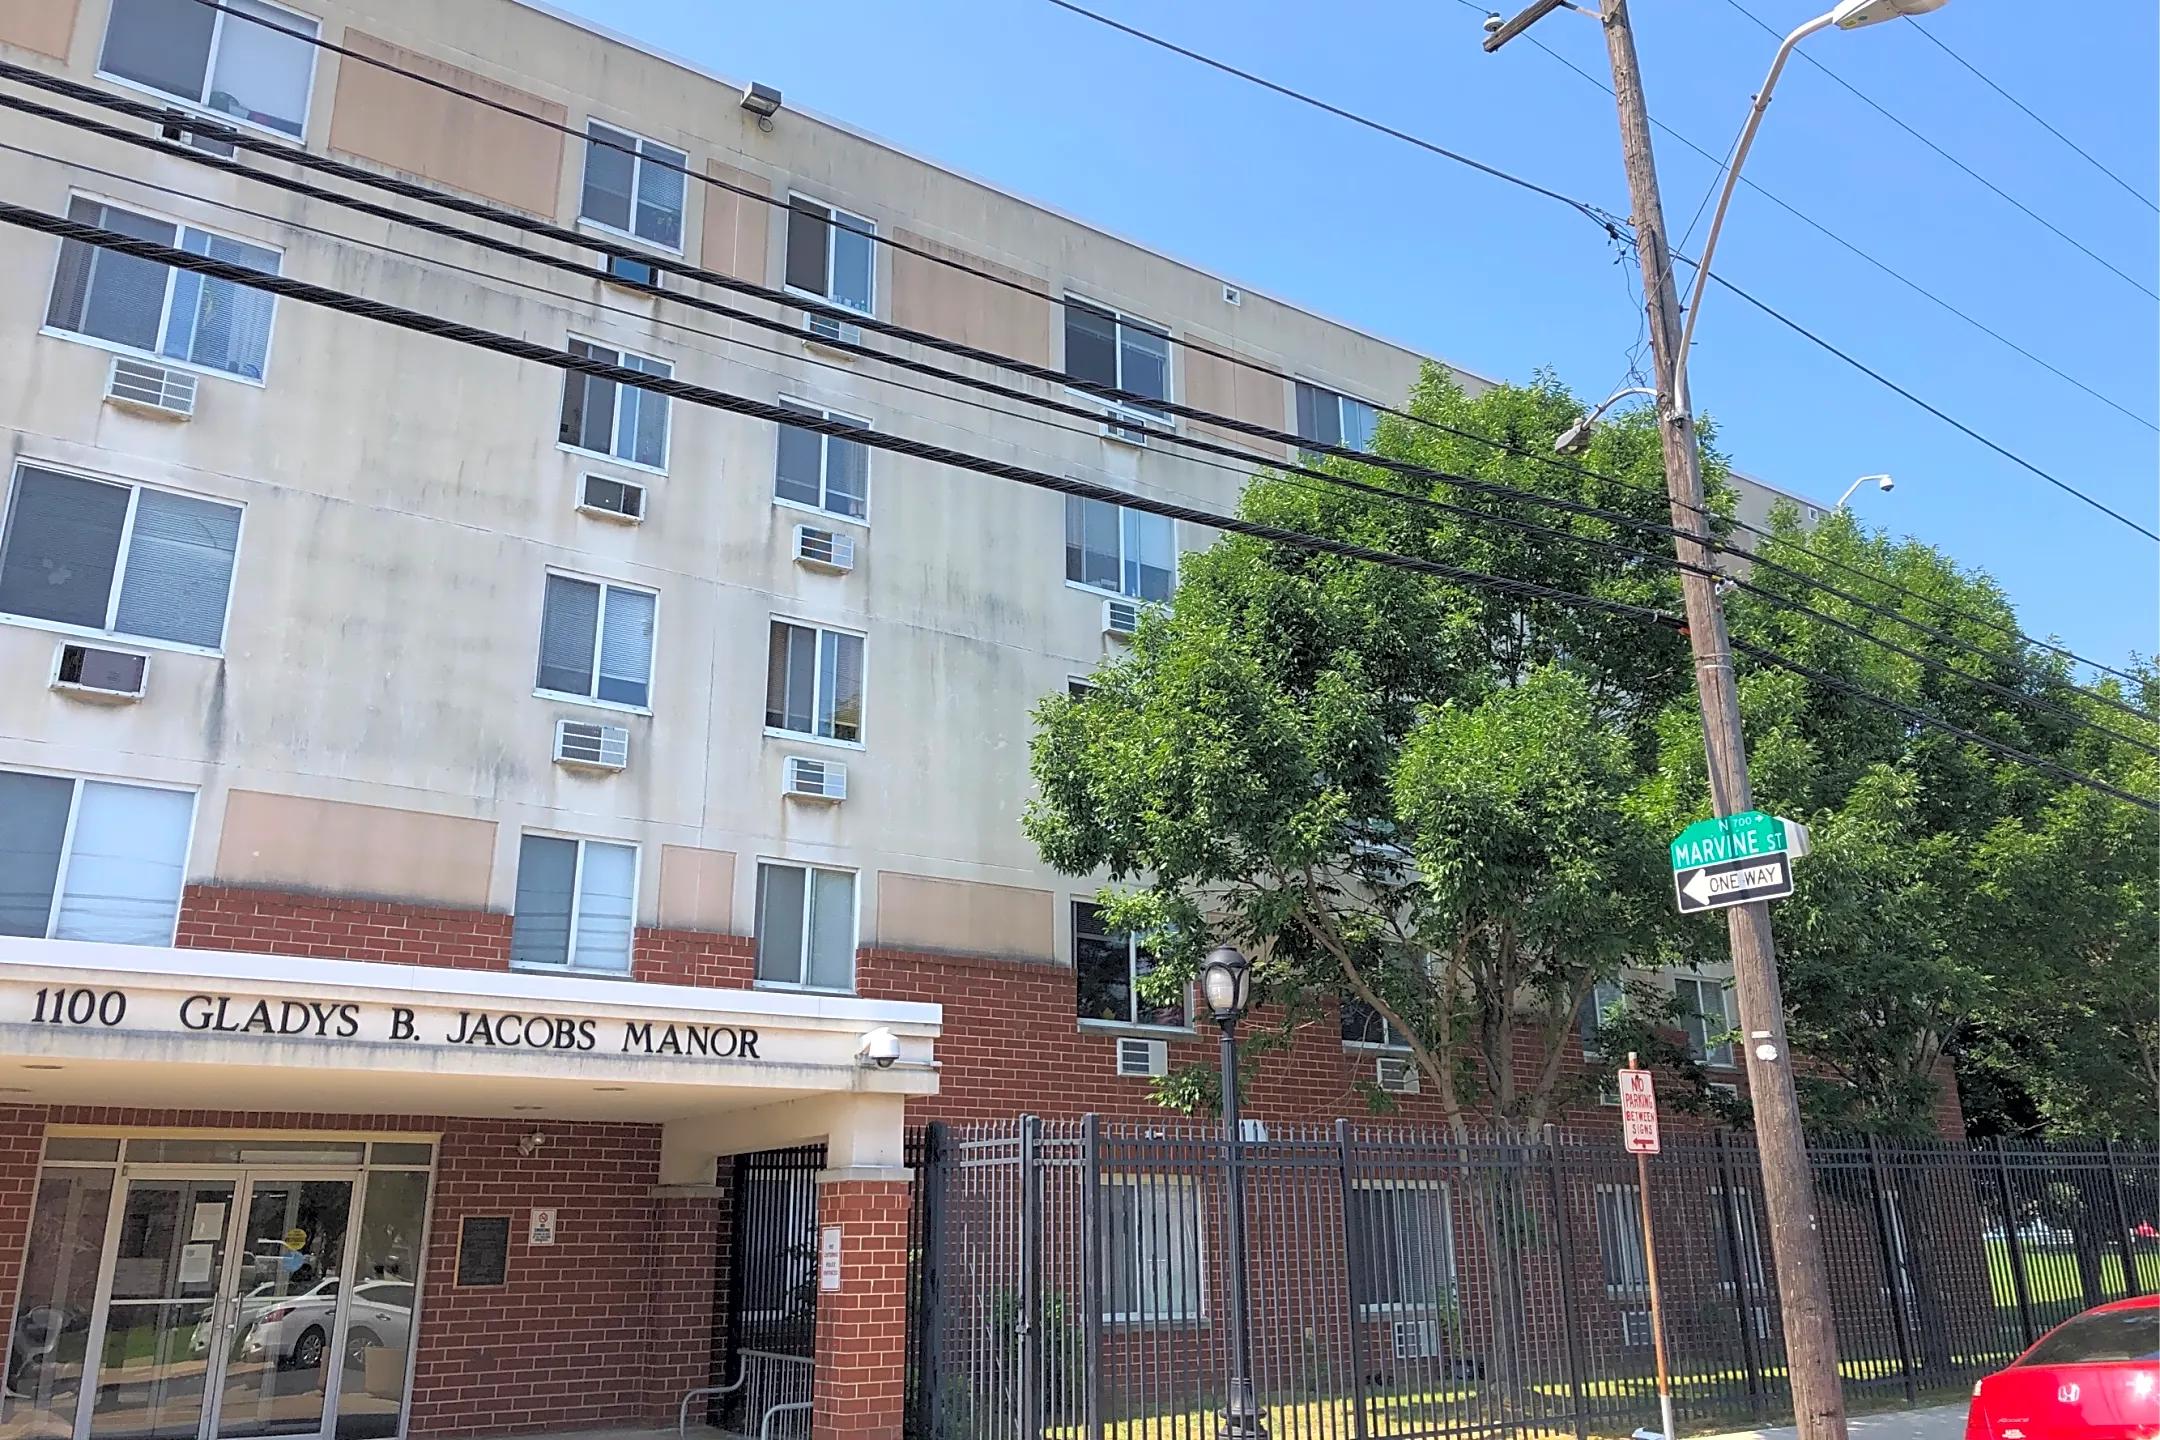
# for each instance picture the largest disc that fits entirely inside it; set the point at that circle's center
(850, 1173)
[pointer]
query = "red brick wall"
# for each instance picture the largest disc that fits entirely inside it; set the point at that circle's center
(689, 957)
(275, 922)
(862, 1327)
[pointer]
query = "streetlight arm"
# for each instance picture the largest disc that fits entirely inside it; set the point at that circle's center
(1717, 219)
(1849, 491)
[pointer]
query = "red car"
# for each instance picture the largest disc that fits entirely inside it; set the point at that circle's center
(2096, 1377)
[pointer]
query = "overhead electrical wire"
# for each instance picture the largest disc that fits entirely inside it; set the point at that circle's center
(345, 302)
(244, 140)
(583, 271)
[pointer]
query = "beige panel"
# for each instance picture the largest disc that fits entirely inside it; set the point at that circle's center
(955, 305)
(697, 889)
(427, 132)
(45, 26)
(1240, 391)
(735, 224)
(334, 847)
(916, 912)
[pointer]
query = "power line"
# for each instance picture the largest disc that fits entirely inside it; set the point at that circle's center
(2035, 216)
(190, 153)
(346, 302)
(1936, 40)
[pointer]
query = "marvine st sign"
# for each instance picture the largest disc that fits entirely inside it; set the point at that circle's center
(1734, 859)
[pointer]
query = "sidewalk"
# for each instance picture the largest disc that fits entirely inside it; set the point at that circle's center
(1939, 1422)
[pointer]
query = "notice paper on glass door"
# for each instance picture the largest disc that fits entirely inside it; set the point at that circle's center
(195, 1263)
(209, 1221)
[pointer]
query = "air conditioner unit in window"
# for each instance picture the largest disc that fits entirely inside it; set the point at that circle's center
(1125, 429)
(1416, 1339)
(582, 744)
(1142, 1059)
(803, 778)
(611, 499)
(1120, 617)
(1635, 1328)
(824, 549)
(824, 327)
(150, 389)
(1396, 1074)
(99, 674)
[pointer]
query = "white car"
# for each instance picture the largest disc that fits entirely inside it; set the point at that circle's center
(295, 1331)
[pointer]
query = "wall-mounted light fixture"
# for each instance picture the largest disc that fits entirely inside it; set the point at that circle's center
(762, 101)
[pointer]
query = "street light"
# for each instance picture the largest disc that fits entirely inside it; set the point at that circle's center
(1880, 482)
(1848, 15)
(1226, 986)
(1576, 438)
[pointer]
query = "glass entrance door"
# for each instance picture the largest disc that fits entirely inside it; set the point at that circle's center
(224, 1307)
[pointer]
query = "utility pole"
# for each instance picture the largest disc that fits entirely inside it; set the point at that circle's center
(1788, 1182)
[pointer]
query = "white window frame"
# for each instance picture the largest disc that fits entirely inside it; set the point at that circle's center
(599, 632)
(810, 868)
(825, 466)
(811, 737)
(1447, 1224)
(153, 355)
(120, 559)
(1177, 559)
(198, 107)
(833, 214)
(1726, 1022)
(1192, 1202)
(1119, 410)
(1375, 1047)
(1132, 988)
(1592, 1049)
(667, 449)
(638, 162)
(67, 836)
(1340, 397)
(569, 965)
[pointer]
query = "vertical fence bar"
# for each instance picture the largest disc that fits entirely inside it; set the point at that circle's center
(1893, 1273)
(1029, 1321)
(1091, 1270)
(1743, 1280)
(2013, 1247)
(2133, 1283)
(1346, 1176)
(928, 1324)
(1566, 1245)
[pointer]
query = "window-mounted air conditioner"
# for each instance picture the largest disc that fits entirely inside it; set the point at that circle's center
(1120, 617)
(824, 327)
(611, 499)
(1125, 429)
(803, 778)
(825, 550)
(1416, 1339)
(1142, 1059)
(95, 673)
(150, 389)
(587, 746)
(1396, 1074)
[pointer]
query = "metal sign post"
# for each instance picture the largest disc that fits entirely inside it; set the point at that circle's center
(1639, 1123)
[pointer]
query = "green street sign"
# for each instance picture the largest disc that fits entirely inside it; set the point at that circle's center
(1734, 837)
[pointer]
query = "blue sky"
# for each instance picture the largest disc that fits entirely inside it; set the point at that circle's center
(1502, 282)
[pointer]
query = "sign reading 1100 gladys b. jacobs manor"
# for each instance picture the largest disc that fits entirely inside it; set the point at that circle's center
(1734, 859)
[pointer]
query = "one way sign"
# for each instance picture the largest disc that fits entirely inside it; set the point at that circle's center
(1734, 882)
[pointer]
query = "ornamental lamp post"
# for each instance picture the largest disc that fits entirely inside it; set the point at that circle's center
(1226, 986)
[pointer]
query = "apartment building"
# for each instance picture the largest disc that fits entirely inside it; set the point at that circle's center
(450, 803)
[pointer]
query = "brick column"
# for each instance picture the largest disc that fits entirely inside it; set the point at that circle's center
(682, 1272)
(862, 1327)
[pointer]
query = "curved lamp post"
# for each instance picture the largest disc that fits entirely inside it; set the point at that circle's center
(1576, 438)
(1880, 482)
(1226, 986)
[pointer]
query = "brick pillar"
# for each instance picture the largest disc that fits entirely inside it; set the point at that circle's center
(682, 1263)
(862, 1327)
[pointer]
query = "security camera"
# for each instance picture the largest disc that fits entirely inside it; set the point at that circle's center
(1493, 24)
(881, 1048)
(1887, 483)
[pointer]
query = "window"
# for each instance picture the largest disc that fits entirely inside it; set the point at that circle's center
(2100, 1337)
(633, 186)
(1078, 689)
(576, 903)
(824, 472)
(119, 559)
(141, 305)
(1151, 1246)
(88, 860)
(805, 927)
(1116, 351)
(1708, 1020)
(229, 59)
(1109, 966)
(1599, 1009)
(814, 682)
(1750, 1249)
(596, 641)
(1403, 1246)
(830, 255)
(1128, 552)
(1364, 1026)
(609, 419)
(1620, 1242)
(1331, 419)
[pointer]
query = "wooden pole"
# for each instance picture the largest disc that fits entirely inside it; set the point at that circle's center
(1657, 1305)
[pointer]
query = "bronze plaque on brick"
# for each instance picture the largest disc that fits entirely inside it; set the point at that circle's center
(483, 1252)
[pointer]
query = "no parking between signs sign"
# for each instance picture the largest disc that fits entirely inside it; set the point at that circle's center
(1638, 1112)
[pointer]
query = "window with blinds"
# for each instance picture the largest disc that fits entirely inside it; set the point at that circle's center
(576, 904)
(138, 304)
(806, 927)
(91, 860)
(116, 558)
(596, 642)
(825, 472)
(814, 682)
(601, 417)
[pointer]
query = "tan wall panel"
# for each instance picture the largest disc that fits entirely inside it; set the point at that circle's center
(426, 132)
(334, 847)
(955, 305)
(45, 26)
(1239, 391)
(697, 889)
(917, 912)
(736, 225)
